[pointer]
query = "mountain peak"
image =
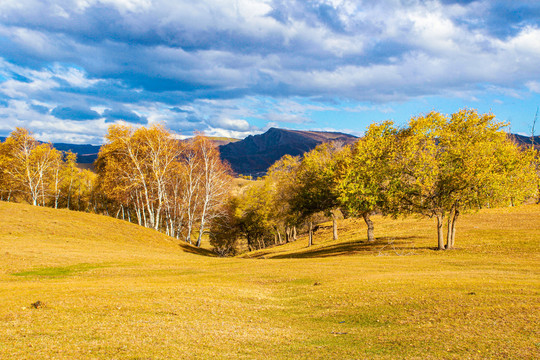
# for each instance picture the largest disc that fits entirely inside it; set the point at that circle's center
(256, 153)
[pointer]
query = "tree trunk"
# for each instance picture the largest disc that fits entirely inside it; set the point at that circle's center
(440, 236)
(201, 230)
(453, 233)
(188, 235)
(294, 234)
(334, 226)
(279, 236)
(449, 230)
(310, 233)
(369, 223)
(287, 234)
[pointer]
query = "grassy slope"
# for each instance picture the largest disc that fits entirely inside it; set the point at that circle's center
(113, 290)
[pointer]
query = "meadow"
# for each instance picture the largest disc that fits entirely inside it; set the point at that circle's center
(113, 290)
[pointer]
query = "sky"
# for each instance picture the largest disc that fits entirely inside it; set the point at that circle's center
(71, 68)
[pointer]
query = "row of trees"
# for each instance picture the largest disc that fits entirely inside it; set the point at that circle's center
(437, 166)
(169, 185)
(41, 175)
(142, 175)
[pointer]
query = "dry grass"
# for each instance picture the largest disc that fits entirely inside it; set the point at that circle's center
(115, 291)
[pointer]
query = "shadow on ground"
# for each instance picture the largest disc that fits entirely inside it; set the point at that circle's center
(197, 251)
(381, 246)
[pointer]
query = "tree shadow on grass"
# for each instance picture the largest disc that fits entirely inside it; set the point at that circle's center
(197, 251)
(401, 244)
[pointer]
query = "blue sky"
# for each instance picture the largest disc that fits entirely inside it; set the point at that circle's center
(70, 68)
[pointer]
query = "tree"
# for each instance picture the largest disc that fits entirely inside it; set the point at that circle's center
(225, 229)
(192, 178)
(216, 180)
(255, 223)
(448, 165)
(69, 176)
(316, 185)
(7, 183)
(282, 186)
(28, 164)
(367, 176)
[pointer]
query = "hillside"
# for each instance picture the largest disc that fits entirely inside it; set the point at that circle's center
(109, 289)
(512, 231)
(255, 154)
(36, 237)
(526, 141)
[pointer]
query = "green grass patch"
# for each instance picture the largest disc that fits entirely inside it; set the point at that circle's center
(58, 272)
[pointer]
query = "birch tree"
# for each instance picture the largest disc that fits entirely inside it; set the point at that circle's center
(29, 165)
(216, 181)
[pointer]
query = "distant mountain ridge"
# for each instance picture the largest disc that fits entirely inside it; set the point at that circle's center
(86, 154)
(256, 153)
(522, 140)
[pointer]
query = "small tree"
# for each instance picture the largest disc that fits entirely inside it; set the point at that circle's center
(316, 189)
(28, 163)
(282, 186)
(225, 229)
(367, 176)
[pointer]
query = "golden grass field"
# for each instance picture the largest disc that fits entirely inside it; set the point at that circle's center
(113, 290)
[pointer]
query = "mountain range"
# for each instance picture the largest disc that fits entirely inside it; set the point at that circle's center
(256, 153)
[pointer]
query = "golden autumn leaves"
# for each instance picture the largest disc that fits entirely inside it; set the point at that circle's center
(437, 166)
(169, 185)
(143, 175)
(41, 175)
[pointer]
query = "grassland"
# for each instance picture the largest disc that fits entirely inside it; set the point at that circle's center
(112, 290)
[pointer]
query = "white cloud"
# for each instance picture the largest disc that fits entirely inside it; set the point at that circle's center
(533, 86)
(232, 124)
(218, 132)
(221, 61)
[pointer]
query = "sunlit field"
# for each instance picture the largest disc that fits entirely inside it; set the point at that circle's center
(112, 290)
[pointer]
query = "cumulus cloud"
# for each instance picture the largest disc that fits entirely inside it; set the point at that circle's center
(210, 65)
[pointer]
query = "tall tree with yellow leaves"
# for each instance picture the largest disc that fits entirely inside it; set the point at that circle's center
(367, 175)
(450, 164)
(29, 165)
(135, 168)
